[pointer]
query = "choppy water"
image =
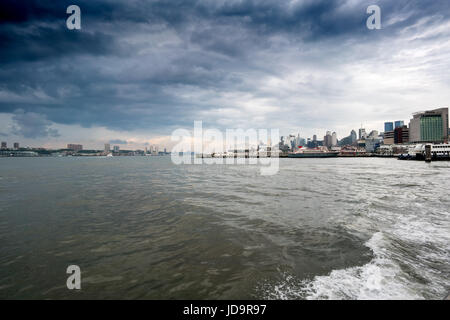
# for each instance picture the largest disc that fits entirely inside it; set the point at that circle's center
(140, 227)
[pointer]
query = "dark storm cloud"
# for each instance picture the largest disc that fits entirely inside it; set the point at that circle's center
(32, 125)
(159, 64)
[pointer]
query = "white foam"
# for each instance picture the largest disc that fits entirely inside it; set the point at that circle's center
(381, 278)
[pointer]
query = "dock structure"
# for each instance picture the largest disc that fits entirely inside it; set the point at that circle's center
(428, 154)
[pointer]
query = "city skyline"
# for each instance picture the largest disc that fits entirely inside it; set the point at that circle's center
(146, 72)
(330, 138)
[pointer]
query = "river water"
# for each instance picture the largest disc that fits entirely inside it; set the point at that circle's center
(143, 228)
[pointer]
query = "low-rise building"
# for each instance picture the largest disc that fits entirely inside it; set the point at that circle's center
(389, 137)
(75, 147)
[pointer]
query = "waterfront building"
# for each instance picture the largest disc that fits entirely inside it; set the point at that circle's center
(75, 147)
(116, 149)
(388, 126)
(399, 124)
(107, 147)
(16, 146)
(389, 137)
(429, 126)
(4, 145)
(401, 135)
(372, 144)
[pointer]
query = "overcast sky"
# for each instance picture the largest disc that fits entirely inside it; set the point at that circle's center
(138, 70)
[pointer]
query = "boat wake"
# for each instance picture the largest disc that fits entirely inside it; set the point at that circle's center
(381, 278)
(410, 244)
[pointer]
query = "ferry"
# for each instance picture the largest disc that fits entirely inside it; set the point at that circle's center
(320, 152)
(417, 152)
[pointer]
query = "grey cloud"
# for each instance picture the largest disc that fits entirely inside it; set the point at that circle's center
(158, 65)
(118, 141)
(32, 125)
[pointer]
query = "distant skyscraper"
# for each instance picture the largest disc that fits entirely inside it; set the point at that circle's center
(16, 145)
(353, 137)
(314, 138)
(362, 134)
(388, 126)
(297, 141)
(399, 124)
(116, 148)
(327, 140)
(334, 139)
(4, 145)
(107, 147)
(373, 134)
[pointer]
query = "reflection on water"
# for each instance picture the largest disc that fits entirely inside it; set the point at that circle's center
(140, 227)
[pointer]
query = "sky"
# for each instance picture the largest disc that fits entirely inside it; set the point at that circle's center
(138, 70)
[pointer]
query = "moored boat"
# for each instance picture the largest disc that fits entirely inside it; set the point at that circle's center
(320, 152)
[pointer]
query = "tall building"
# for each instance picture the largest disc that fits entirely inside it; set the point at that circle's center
(314, 138)
(334, 139)
(353, 136)
(297, 141)
(4, 145)
(75, 147)
(16, 145)
(107, 147)
(350, 140)
(429, 126)
(362, 134)
(116, 148)
(388, 126)
(327, 140)
(399, 124)
(401, 135)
